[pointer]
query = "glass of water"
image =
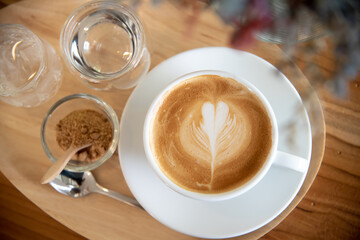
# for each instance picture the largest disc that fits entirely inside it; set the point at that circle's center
(30, 69)
(104, 42)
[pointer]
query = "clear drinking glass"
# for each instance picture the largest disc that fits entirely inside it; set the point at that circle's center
(30, 69)
(104, 42)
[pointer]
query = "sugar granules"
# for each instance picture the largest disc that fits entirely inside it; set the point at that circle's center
(82, 127)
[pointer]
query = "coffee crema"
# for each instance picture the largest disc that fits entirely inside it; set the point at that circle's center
(210, 134)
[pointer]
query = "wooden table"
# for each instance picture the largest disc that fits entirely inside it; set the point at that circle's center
(329, 210)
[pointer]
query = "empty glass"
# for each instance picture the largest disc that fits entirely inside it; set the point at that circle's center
(30, 70)
(104, 42)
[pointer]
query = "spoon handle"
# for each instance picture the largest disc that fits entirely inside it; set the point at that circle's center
(60, 164)
(118, 196)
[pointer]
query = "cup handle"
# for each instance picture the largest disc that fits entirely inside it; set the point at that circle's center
(291, 161)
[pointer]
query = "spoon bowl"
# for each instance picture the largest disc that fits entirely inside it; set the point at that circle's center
(79, 184)
(60, 164)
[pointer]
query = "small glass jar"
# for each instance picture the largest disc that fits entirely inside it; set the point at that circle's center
(30, 69)
(61, 109)
(104, 43)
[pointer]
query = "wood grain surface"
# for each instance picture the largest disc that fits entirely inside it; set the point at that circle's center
(329, 210)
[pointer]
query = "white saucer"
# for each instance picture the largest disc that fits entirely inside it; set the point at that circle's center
(239, 215)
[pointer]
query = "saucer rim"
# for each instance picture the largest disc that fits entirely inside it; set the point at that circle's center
(284, 206)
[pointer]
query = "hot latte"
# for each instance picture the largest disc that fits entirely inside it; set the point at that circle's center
(210, 134)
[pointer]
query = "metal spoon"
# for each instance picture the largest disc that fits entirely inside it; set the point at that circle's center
(84, 183)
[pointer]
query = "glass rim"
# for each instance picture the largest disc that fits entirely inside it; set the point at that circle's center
(111, 114)
(43, 57)
(80, 13)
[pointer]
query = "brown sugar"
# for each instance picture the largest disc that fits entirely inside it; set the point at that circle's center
(82, 127)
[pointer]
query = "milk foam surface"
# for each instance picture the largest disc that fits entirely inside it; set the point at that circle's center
(210, 134)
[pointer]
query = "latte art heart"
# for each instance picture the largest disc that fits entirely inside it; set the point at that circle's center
(210, 134)
(215, 134)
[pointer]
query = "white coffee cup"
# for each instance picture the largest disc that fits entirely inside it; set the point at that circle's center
(274, 157)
